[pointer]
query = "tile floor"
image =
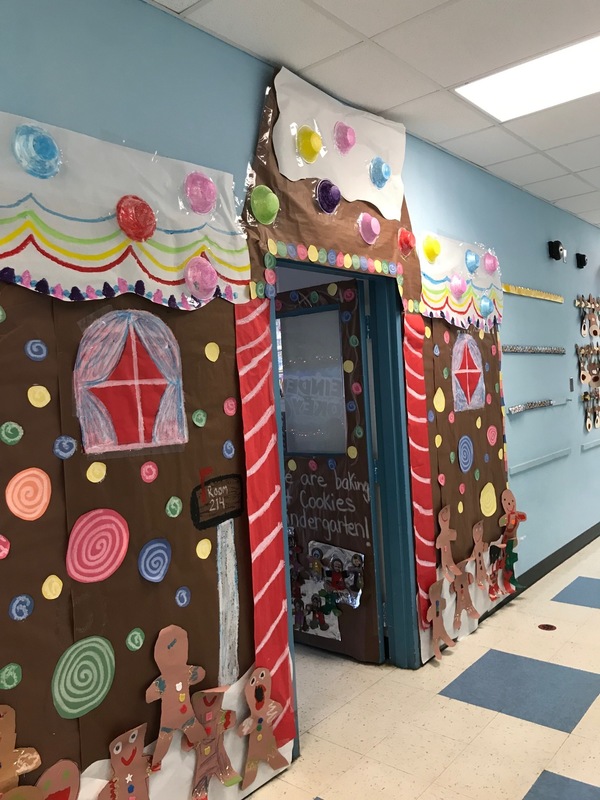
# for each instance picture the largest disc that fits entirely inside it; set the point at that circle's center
(454, 730)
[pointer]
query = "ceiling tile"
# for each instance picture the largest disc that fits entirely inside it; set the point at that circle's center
(176, 5)
(462, 41)
(438, 116)
(527, 169)
(562, 124)
(487, 147)
(285, 32)
(368, 76)
(555, 188)
(591, 216)
(583, 202)
(579, 155)
(591, 176)
(376, 15)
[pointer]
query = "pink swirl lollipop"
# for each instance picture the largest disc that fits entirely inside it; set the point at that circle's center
(4, 547)
(97, 545)
(201, 192)
(230, 406)
(149, 472)
(200, 277)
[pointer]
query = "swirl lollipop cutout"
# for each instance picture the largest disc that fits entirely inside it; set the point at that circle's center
(465, 453)
(21, 607)
(11, 432)
(135, 639)
(97, 545)
(10, 676)
(28, 494)
(149, 472)
(183, 596)
(64, 447)
(36, 349)
(35, 151)
(83, 677)
(154, 560)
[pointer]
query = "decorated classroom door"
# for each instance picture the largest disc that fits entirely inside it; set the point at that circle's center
(329, 491)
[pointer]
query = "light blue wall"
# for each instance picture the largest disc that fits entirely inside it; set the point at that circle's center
(447, 196)
(124, 71)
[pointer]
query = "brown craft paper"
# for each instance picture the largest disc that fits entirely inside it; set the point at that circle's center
(258, 727)
(479, 548)
(434, 615)
(464, 602)
(443, 543)
(14, 761)
(172, 689)
(130, 767)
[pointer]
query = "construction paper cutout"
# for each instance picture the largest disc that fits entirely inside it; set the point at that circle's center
(59, 782)
(212, 351)
(83, 677)
(174, 507)
(135, 218)
(128, 385)
(36, 151)
(52, 587)
(10, 676)
(11, 433)
(28, 494)
(36, 349)
(183, 596)
(264, 204)
(479, 548)
(201, 278)
(14, 761)
(154, 560)
(2, 314)
(328, 196)
(172, 689)
(229, 602)
(460, 587)
(487, 500)
(435, 616)
(230, 406)
(97, 545)
(21, 607)
(38, 396)
(511, 519)
(149, 472)
(96, 472)
(228, 449)
(211, 756)
(458, 286)
(204, 548)
(443, 544)
(64, 447)
(468, 386)
(201, 192)
(130, 767)
(486, 306)
(264, 712)
(4, 547)
(135, 639)
(465, 453)
(439, 401)
(199, 418)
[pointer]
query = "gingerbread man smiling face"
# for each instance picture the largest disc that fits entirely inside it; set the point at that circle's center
(130, 767)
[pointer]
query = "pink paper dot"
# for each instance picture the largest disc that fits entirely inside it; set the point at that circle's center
(488, 399)
(441, 479)
(149, 472)
(492, 435)
(349, 295)
(312, 465)
(493, 349)
(230, 406)
(451, 416)
(462, 488)
(370, 265)
(302, 252)
(270, 276)
(356, 388)
(446, 337)
(4, 547)
(339, 261)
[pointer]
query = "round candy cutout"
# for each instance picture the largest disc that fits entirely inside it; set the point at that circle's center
(154, 560)
(11, 433)
(28, 494)
(97, 545)
(36, 349)
(36, 151)
(83, 677)
(135, 218)
(201, 192)
(200, 277)
(64, 447)
(183, 596)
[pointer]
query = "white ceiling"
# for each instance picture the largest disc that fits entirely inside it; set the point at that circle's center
(403, 58)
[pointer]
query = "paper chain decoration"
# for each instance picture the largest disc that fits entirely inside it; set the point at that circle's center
(533, 349)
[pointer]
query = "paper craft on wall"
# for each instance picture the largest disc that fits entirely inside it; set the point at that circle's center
(14, 761)
(130, 767)
(59, 782)
(434, 616)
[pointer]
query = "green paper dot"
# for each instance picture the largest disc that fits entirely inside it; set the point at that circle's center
(199, 418)
(135, 639)
(281, 249)
(264, 204)
(446, 372)
(314, 297)
(322, 256)
(385, 267)
(270, 261)
(260, 289)
(10, 433)
(476, 474)
(497, 388)
(2, 314)
(354, 341)
(358, 432)
(355, 261)
(416, 306)
(452, 456)
(400, 280)
(174, 506)
(10, 676)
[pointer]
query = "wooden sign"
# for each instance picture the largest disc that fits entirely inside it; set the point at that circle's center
(216, 500)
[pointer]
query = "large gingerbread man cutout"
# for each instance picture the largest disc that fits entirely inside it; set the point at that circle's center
(172, 688)
(130, 767)
(434, 615)
(14, 761)
(445, 537)
(479, 548)
(262, 745)
(460, 586)
(59, 782)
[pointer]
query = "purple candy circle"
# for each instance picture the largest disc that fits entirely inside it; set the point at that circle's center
(328, 196)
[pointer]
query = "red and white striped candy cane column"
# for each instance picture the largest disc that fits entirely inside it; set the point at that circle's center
(263, 489)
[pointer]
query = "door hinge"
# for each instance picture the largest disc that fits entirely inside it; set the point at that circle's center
(375, 471)
(368, 326)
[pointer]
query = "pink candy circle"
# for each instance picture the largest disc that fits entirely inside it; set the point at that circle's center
(201, 192)
(442, 479)
(462, 488)
(493, 349)
(302, 252)
(149, 472)
(200, 277)
(356, 388)
(349, 295)
(270, 276)
(312, 464)
(492, 435)
(446, 337)
(344, 137)
(339, 260)
(488, 399)
(230, 406)
(451, 416)
(97, 545)
(4, 547)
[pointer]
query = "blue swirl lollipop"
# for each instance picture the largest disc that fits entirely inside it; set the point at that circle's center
(36, 151)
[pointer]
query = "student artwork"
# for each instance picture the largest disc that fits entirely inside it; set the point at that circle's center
(461, 282)
(258, 727)
(479, 549)
(434, 616)
(130, 767)
(511, 519)
(14, 761)
(59, 782)
(172, 689)
(460, 587)
(590, 309)
(443, 543)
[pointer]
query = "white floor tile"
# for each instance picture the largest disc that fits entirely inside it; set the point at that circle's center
(589, 725)
(321, 763)
(579, 759)
(278, 789)
(372, 779)
(417, 751)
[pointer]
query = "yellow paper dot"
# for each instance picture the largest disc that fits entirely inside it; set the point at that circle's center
(501, 454)
(427, 332)
(377, 265)
(212, 351)
(411, 306)
(438, 440)
(487, 500)
(348, 366)
(252, 287)
(272, 245)
(38, 396)
(332, 289)
(478, 422)
(352, 451)
(401, 290)
(460, 507)
(347, 260)
(439, 400)
(292, 465)
(52, 587)
(96, 472)
(203, 548)
(313, 253)
(481, 334)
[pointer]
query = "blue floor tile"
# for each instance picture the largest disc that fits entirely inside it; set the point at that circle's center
(536, 691)
(582, 592)
(555, 787)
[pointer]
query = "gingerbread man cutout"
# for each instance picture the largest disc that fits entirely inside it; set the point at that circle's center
(434, 615)
(59, 782)
(262, 745)
(480, 547)
(130, 767)
(446, 535)
(460, 587)
(172, 688)
(511, 518)
(211, 756)
(14, 761)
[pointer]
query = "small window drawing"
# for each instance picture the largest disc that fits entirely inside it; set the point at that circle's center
(467, 374)
(128, 385)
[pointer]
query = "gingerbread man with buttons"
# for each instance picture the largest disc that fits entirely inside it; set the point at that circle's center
(130, 767)
(442, 543)
(172, 688)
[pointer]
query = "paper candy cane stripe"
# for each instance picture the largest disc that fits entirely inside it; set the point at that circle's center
(28, 494)
(97, 545)
(83, 677)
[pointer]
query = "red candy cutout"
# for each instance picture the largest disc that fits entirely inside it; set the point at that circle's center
(135, 218)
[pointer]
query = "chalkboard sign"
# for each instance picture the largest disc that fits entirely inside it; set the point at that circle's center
(216, 500)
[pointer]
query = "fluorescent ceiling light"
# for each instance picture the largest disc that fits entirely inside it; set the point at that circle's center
(540, 83)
